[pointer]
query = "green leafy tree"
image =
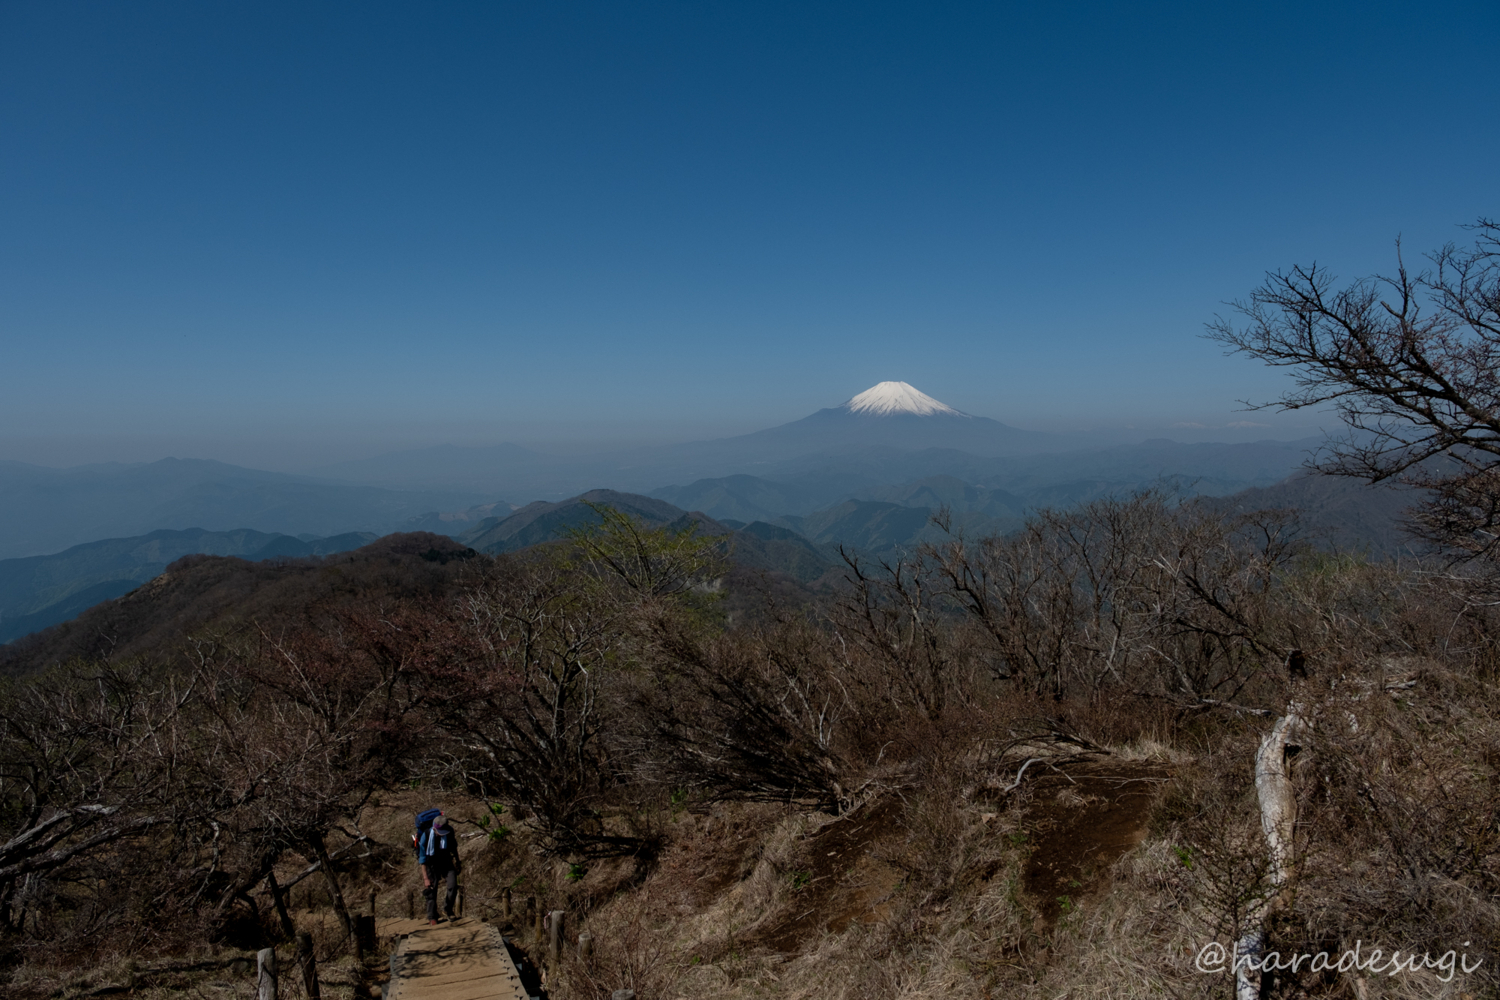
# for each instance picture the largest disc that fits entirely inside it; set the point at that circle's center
(669, 561)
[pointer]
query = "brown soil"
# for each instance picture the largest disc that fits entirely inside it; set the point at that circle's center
(1081, 823)
(839, 879)
(1078, 824)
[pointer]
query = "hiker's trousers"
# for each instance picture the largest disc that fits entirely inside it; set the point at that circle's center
(431, 892)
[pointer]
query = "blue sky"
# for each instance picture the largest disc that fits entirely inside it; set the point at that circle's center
(284, 234)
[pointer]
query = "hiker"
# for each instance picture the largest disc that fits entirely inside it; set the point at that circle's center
(437, 856)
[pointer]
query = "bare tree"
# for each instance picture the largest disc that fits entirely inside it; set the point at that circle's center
(527, 703)
(771, 714)
(298, 728)
(1411, 363)
(85, 763)
(1138, 591)
(898, 615)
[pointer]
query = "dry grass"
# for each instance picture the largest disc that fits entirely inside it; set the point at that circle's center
(935, 903)
(934, 892)
(217, 974)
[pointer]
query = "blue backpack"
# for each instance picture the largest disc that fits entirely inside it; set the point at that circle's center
(424, 826)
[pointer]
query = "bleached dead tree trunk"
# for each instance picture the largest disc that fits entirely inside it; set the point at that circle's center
(1278, 819)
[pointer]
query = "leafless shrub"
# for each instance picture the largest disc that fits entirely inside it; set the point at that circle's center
(773, 714)
(1402, 816)
(629, 953)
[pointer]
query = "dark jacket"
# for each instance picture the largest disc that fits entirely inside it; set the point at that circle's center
(439, 849)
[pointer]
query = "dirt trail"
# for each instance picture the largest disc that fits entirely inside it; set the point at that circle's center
(840, 878)
(1078, 824)
(463, 959)
(1082, 822)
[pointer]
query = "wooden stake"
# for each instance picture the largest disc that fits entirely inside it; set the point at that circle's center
(265, 973)
(555, 929)
(309, 963)
(364, 930)
(585, 947)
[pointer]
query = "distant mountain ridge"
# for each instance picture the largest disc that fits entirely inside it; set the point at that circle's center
(756, 546)
(890, 433)
(805, 547)
(891, 416)
(1348, 514)
(45, 510)
(457, 522)
(543, 521)
(39, 591)
(231, 595)
(866, 474)
(1003, 488)
(891, 444)
(42, 591)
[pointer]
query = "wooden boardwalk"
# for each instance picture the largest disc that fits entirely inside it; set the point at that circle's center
(463, 959)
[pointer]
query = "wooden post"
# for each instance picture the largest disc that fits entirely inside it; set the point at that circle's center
(585, 947)
(265, 973)
(458, 903)
(373, 893)
(505, 905)
(309, 962)
(531, 917)
(536, 926)
(555, 929)
(411, 908)
(364, 930)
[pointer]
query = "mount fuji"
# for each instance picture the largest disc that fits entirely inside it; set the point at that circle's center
(893, 422)
(892, 415)
(890, 398)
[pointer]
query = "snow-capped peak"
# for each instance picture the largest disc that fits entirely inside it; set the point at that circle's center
(898, 397)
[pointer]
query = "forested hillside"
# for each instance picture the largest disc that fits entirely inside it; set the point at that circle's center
(39, 591)
(1010, 766)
